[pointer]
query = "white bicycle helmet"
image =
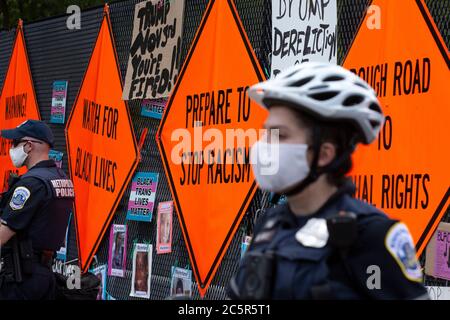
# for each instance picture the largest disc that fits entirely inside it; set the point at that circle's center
(327, 92)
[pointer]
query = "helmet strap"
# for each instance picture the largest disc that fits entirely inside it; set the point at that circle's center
(314, 173)
(337, 162)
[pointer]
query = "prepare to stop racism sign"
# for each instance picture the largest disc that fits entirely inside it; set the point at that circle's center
(17, 102)
(405, 173)
(101, 143)
(212, 186)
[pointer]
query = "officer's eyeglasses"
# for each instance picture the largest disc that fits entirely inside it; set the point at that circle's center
(17, 142)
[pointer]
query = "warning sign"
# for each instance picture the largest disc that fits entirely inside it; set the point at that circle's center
(17, 102)
(101, 143)
(405, 172)
(206, 134)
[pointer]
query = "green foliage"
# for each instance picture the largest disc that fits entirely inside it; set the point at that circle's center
(31, 10)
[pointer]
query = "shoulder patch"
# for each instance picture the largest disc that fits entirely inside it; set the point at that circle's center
(400, 245)
(19, 197)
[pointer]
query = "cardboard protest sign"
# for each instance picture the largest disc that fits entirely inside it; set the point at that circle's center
(303, 31)
(154, 59)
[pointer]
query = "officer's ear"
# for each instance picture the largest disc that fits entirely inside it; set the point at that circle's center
(27, 147)
(327, 154)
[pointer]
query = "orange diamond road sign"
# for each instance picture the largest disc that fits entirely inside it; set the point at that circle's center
(211, 191)
(101, 145)
(17, 102)
(405, 173)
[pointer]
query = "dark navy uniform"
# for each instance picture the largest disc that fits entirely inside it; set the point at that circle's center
(379, 263)
(37, 207)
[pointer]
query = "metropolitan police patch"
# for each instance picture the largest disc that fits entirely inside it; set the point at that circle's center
(19, 197)
(401, 246)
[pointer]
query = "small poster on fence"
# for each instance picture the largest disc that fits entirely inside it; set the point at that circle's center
(437, 261)
(164, 227)
(244, 245)
(153, 108)
(142, 270)
(100, 273)
(59, 100)
(61, 254)
(57, 156)
(117, 250)
(142, 196)
(181, 284)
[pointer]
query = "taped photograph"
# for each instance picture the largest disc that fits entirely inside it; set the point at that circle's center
(117, 250)
(142, 267)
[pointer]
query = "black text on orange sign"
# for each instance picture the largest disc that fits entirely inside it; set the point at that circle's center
(97, 170)
(213, 108)
(16, 106)
(107, 125)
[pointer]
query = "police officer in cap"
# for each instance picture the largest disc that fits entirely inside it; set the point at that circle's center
(322, 243)
(34, 214)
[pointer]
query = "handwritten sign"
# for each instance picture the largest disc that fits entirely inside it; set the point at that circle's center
(154, 59)
(303, 30)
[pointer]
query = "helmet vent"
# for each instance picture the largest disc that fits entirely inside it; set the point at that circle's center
(322, 86)
(333, 78)
(375, 107)
(361, 84)
(353, 100)
(374, 123)
(301, 82)
(323, 96)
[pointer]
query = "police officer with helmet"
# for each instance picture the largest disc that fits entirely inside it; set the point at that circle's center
(323, 243)
(34, 214)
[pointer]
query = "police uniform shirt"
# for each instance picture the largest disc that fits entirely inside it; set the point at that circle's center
(380, 264)
(24, 210)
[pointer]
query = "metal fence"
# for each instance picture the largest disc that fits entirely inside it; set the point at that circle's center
(58, 53)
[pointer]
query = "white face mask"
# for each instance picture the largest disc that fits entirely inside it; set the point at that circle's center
(278, 167)
(18, 156)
